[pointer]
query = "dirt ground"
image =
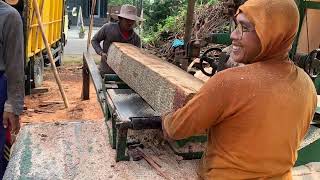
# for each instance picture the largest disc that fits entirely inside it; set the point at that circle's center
(49, 107)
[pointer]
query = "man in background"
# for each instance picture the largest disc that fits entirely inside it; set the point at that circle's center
(121, 31)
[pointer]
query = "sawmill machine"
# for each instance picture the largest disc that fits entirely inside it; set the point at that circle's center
(190, 49)
(126, 111)
(305, 51)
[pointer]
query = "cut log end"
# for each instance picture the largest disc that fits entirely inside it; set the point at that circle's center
(162, 85)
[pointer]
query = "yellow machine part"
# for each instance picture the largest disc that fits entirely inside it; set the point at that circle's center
(52, 14)
(309, 37)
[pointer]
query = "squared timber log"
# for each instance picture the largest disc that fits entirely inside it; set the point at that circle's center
(164, 86)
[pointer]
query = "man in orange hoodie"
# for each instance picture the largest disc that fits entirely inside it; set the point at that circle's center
(256, 115)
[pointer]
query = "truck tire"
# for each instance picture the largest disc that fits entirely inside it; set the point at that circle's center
(59, 60)
(28, 83)
(38, 71)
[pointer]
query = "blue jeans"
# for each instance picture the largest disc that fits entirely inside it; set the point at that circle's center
(3, 98)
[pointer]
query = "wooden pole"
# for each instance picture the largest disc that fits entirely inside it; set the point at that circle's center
(189, 21)
(53, 66)
(85, 95)
(153, 164)
(93, 7)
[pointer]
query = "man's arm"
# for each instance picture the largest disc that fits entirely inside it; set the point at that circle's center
(14, 63)
(97, 38)
(203, 111)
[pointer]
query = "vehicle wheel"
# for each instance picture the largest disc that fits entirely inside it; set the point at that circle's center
(59, 56)
(28, 82)
(38, 71)
(59, 60)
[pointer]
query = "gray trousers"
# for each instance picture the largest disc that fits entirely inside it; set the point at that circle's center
(104, 68)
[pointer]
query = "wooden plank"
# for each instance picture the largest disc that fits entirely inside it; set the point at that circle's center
(309, 38)
(39, 90)
(164, 86)
(153, 164)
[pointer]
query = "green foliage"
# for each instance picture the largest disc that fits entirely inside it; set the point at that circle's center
(210, 2)
(120, 2)
(157, 12)
(163, 17)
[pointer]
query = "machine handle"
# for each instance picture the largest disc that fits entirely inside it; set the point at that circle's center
(153, 122)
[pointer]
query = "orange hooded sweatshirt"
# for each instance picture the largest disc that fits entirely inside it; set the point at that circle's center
(255, 115)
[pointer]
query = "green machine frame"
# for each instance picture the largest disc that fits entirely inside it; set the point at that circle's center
(118, 127)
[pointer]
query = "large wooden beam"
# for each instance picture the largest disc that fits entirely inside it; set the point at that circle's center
(164, 86)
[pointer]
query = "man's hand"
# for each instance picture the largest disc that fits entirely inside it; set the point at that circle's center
(14, 121)
(166, 116)
(165, 134)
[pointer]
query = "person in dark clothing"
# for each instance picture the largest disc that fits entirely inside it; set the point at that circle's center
(121, 31)
(11, 75)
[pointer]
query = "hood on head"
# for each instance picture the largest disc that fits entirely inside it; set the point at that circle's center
(276, 23)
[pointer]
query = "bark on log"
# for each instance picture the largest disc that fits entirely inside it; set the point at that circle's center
(161, 84)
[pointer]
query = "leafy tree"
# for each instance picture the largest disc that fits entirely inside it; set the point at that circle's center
(120, 2)
(157, 12)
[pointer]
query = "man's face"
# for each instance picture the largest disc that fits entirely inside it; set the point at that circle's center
(126, 24)
(246, 44)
